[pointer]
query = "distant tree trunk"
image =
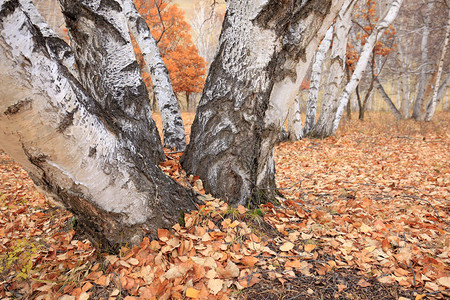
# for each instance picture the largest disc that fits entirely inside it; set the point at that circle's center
(295, 130)
(311, 106)
(336, 73)
(262, 58)
(364, 59)
(173, 129)
(387, 99)
(188, 102)
(417, 109)
(433, 103)
(95, 154)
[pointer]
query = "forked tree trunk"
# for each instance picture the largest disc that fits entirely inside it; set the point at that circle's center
(434, 99)
(364, 59)
(173, 128)
(84, 152)
(263, 55)
(336, 72)
(316, 74)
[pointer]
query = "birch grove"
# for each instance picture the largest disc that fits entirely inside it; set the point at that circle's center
(364, 59)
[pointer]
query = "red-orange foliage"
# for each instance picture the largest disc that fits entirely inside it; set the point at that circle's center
(367, 20)
(187, 69)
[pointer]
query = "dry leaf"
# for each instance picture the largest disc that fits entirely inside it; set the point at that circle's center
(287, 246)
(249, 261)
(241, 209)
(363, 283)
(444, 281)
(309, 247)
(192, 293)
(215, 285)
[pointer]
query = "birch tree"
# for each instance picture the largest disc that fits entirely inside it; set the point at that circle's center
(417, 109)
(364, 59)
(433, 103)
(173, 128)
(336, 73)
(264, 51)
(90, 143)
(313, 93)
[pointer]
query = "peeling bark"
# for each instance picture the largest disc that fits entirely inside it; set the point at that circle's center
(264, 48)
(173, 128)
(53, 127)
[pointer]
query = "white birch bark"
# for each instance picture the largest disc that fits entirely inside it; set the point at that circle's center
(417, 113)
(107, 67)
(51, 126)
(295, 130)
(433, 103)
(336, 72)
(173, 128)
(311, 105)
(364, 59)
(64, 53)
(265, 50)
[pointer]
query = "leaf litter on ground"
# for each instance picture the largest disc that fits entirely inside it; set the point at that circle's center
(371, 204)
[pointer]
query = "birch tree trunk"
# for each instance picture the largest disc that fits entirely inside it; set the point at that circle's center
(417, 113)
(335, 74)
(173, 128)
(364, 59)
(295, 130)
(433, 103)
(262, 58)
(311, 106)
(108, 69)
(76, 149)
(387, 99)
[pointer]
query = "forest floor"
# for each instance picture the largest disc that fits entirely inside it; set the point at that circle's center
(366, 215)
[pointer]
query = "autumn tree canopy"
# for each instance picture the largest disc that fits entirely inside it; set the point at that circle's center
(187, 69)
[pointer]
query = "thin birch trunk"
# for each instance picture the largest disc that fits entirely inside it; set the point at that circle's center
(311, 106)
(173, 129)
(387, 99)
(295, 131)
(336, 72)
(364, 59)
(417, 113)
(433, 103)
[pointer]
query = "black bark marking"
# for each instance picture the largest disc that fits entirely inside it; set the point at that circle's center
(19, 106)
(66, 121)
(92, 151)
(8, 8)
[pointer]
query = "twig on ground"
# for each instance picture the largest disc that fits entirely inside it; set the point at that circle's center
(414, 274)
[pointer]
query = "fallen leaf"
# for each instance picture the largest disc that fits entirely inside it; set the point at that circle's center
(287, 246)
(363, 283)
(215, 285)
(192, 293)
(309, 247)
(444, 281)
